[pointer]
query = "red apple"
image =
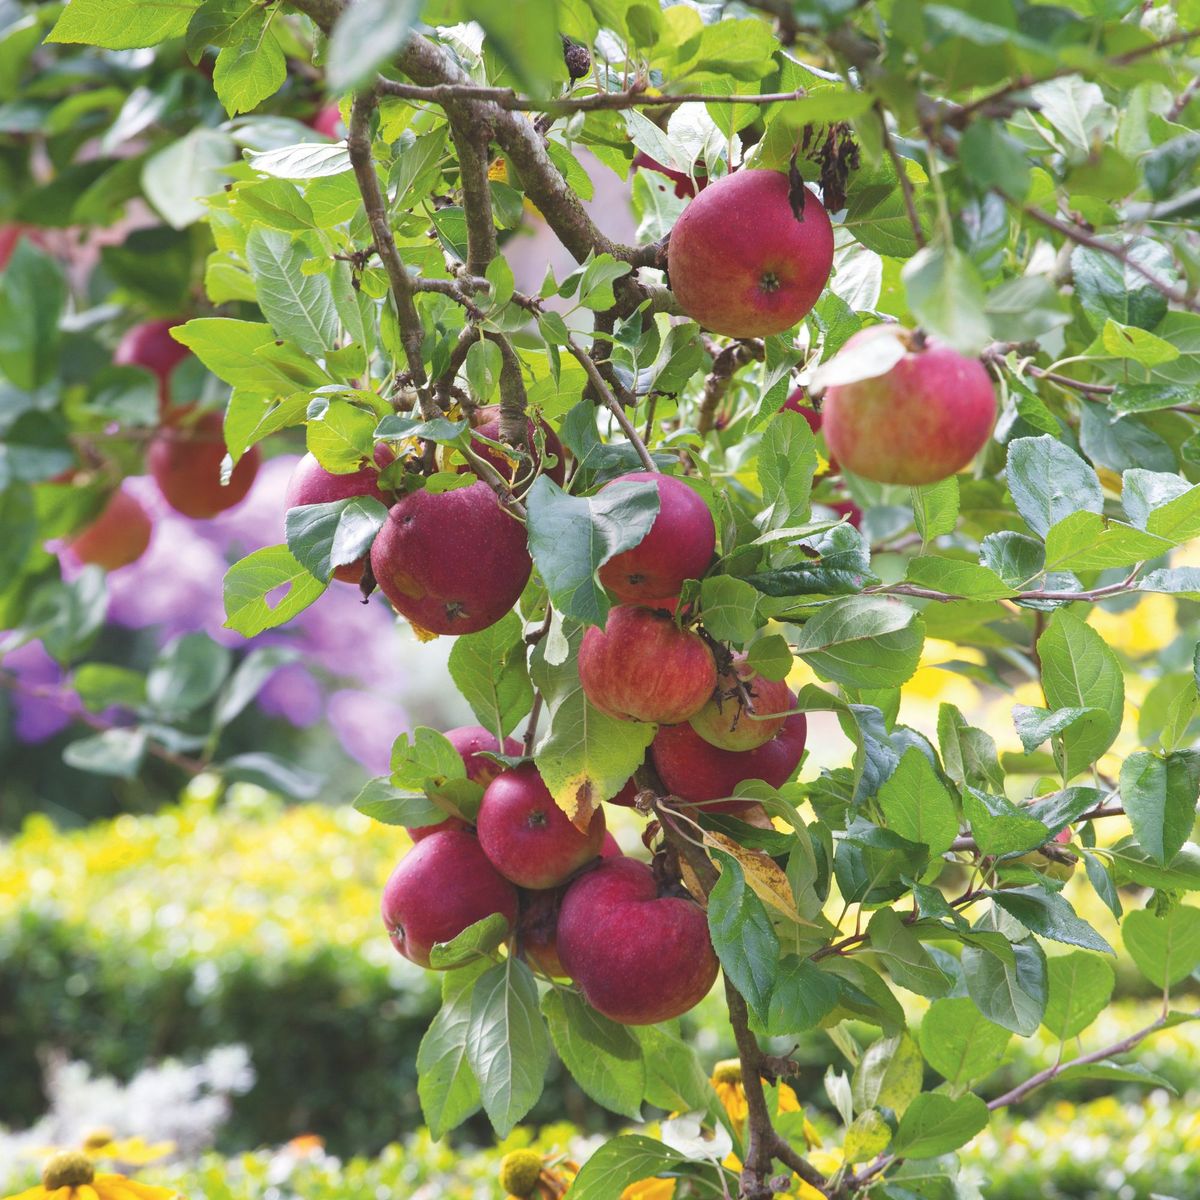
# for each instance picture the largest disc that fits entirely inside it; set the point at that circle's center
(679, 545)
(151, 346)
(472, 742)
(923, 420)
(328, 121)
(849, 510)
(11, 234)
(451, 562)
(639, 958)
(486, 422)
(741, 263)
(527, 837)
(684, 187)
(697, 772)
(117, 537)
(642, 667)
(443, 885)
(627, 796)
(724, 722)
(185, 460)
(312, 484)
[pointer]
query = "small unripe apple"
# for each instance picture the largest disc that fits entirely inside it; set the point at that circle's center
(742, 263)
(678, 546)
(698, 772)
(638, 957)
(312, 484)
(486, 422)
(443, 885)
(527, 837)
(472, 742)
(724, 721)
(684, 187)
(642, 667)
(185, 459)
(1051, 860)
(451, 562)
(151, 347)
(117, 537)
(921, 421)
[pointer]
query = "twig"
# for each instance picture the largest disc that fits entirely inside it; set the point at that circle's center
(412, 332)
(920, 593)
(611, 403)
(906, 187)
(471, 142)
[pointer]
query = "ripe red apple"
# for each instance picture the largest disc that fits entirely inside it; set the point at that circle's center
(443, 885)
(11, 234)
(328, 121)
(642, 667)
(696, 772)
(679, 545)
(639, 958)
(739, 260)
(538, 930)
(312, 484)
(472, 742)
(627, 796)
(486, 422)
(185, 460)
(723, 722)
(849, 510)
(527, 837)
(117, 537)
(151, 346)
(684, 187)
(451, 562)
(920, 422)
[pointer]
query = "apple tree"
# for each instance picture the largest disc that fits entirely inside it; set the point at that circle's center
(905, 346)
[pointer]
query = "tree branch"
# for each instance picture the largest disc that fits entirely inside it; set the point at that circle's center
(726, 364)
(514, 428)
(906, 187)
(471, 142)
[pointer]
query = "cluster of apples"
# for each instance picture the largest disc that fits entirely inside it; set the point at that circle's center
(184, 457)
(638, 949)
(636, 944)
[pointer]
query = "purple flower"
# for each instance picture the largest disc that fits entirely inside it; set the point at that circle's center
(37, 717)
(366, 725)
(293, 694)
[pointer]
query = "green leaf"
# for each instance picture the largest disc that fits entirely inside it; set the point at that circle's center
(325, 536)
(507, 1044)
(993, 159)
(115, 752)
(908, 962)
(618, 1163)
(945, 294)
(1086, 541)
(32, 295)
(1009, 994)
(867, 1137)
(1080, 987)
(730, 608)
(477, 940)
(366, 35)
(299, 306)
(1166, 948)
(1049, 481)
(1037, 725)
(382, 801)
(1159, 795)
(445, 1084)
(675, 1078)
(596, 285)
(605, 1058)
(1148, 397)
(863, 642)
(1128, 341)
(959, 1042)
(251, 69)
(1050, 916)
(918, 805)
(306, 160)
(1109, 289)
(1080, 671)
(187, 673)
(177, 178)
(100, 685)
(787, 461)
(340, 435)
(524, 37)
(935, 1124)
(245, 683)
(968, 580)
(488, 668)
(771, 657)
(587, 756)
(802, 997)
(888, 1075)
(122, 24)
(250, 582)
(742, 936)
(273, 773)
(1114, 1072)
(999, 826)
(572, 537)
(935, 508)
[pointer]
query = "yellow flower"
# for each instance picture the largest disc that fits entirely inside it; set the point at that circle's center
(69, 1175)
(650, 1189)
(727, 1083)
(133, 1152)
